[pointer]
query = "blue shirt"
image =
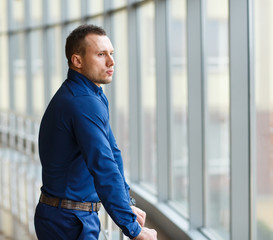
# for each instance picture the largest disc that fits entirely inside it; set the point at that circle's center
(79, 155)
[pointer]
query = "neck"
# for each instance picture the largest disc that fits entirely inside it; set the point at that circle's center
(80, 71)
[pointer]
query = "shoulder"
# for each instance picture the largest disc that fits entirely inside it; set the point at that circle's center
(85, 103)
(76, 101)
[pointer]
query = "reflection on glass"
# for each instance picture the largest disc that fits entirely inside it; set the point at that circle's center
(148, 96)
(55, 64)
(74, 9)
(122, 85)
(94, 7)
(179, 104)
(264, 118)
(3, 15)
(217, 150)
(54, 11)
(35, 12)
(19, 72)
(4, 84)
(37, 72)
(17, 13)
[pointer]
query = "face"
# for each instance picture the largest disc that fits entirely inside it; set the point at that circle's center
(97, 64)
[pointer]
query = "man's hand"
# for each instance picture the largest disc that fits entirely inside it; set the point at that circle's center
(147, 234)
(141, 215)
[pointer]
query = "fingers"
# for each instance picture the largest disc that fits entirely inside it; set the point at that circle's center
(147, 234)
(141, 218)
(153, 234)
(141, 215)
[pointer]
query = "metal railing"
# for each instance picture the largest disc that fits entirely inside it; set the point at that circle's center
(20, 173)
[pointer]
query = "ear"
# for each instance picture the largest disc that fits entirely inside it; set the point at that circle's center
(76, 60)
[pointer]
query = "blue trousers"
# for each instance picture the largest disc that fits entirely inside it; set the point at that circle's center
(62, 224)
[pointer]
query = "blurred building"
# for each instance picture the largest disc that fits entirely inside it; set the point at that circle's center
(191, 106)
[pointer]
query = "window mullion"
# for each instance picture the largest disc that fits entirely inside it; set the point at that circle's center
(239, 95)
(195, 123)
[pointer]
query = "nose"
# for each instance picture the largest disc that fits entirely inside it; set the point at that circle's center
(110, 61)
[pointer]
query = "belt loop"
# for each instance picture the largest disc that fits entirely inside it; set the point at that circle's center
(92, 207)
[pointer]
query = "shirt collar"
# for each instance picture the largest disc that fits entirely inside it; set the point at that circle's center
(76, 76)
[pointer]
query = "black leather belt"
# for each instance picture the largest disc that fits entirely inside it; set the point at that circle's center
(69, 204)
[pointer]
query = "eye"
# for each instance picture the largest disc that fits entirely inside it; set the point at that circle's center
(101, 54)
(112, 53)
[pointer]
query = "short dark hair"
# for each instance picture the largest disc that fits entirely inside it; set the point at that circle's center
(75, 42)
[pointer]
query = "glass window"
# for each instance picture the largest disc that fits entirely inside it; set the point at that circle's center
(217, 150)
(18, 68)
(121, 82)
(54, 11)
(94, 7)
(74, 9)
(4, 83)
(55, 54)
(36, 43)
(17, 18)
(179, 105)
(148, 95)
(3, 15)
(118, 3)
(263, 63)
(97, 21)
(66, 30)
(36, 15)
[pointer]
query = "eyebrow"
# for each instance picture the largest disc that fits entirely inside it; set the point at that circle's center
(105, 50)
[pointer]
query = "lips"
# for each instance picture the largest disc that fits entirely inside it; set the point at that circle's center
(110, 72)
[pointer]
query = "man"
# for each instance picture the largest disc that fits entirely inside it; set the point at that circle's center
(81, 164)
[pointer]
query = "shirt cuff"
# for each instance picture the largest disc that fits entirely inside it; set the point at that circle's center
(132, 230)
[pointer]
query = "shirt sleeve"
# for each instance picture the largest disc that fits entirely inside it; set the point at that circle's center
(90, 129)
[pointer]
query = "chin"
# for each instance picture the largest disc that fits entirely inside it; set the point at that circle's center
(107, 81)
